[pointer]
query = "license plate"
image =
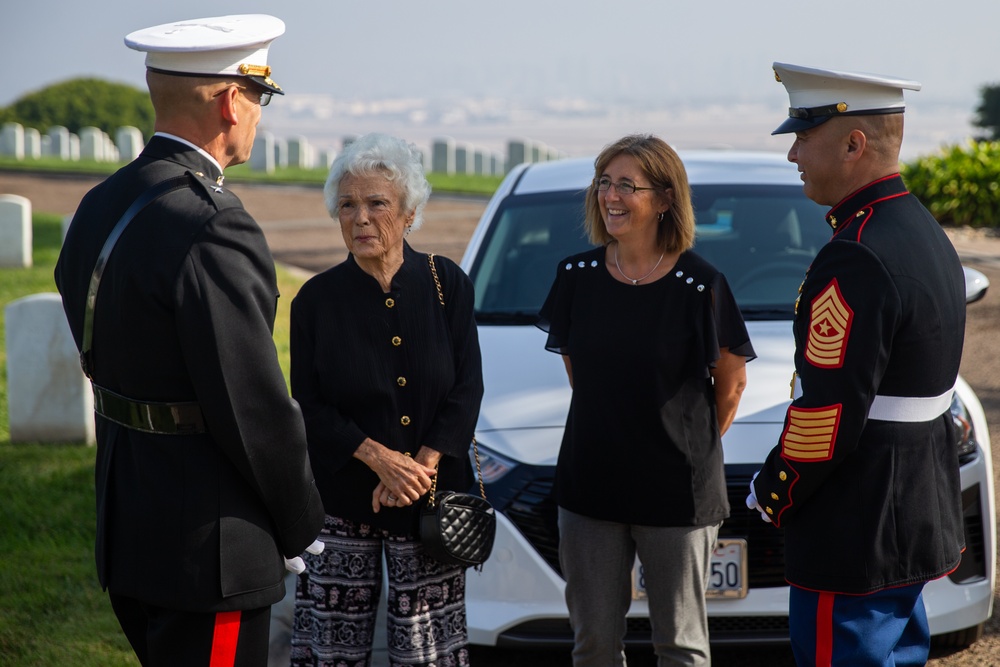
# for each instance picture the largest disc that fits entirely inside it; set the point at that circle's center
(727, 572)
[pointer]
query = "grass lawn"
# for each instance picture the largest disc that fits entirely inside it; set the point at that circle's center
(52, 610)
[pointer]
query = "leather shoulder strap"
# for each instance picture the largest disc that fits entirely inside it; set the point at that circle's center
(144, 200)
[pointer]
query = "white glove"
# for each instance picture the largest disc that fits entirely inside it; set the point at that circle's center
(752, 501)
(297, 565)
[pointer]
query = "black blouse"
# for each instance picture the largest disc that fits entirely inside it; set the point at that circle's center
(394, 366)
(642, 443)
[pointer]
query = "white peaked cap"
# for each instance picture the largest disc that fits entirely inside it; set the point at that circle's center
(817, 95)
(218, 46)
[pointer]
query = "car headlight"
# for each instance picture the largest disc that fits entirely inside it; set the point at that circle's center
(493, 465)
(965, 432)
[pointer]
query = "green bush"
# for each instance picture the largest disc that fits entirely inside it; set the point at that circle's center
(960, 185)
(83, 102)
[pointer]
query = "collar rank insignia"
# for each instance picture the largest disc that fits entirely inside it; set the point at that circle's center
(829, 327)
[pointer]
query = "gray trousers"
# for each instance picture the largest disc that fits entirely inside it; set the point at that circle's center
(596, 558)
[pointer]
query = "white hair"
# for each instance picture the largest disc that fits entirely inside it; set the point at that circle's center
(391, 157)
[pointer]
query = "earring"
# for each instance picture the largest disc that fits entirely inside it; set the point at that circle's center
(659, 217)
(409, 228)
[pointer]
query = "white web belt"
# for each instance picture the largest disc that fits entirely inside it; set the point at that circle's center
(910, 408)
(899, 408)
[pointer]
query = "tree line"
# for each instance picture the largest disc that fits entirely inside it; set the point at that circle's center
(81, 103)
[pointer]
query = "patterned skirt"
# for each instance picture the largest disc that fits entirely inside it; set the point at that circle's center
(337, 598)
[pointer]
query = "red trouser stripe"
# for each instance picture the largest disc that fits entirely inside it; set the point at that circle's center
(824, 629)
(227, 634)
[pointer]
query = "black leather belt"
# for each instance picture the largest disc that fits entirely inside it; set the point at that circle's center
(162, 418)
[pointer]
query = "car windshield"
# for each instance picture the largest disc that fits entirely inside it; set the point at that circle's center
(762, 237)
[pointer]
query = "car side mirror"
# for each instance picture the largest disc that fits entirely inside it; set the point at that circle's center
(976, 284)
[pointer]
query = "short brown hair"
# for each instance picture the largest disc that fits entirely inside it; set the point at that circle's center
(665, 171)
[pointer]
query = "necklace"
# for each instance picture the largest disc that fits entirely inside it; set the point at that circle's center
(636, 281)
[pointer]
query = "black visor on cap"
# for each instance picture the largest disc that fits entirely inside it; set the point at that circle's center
(266, 83)
(800, 124)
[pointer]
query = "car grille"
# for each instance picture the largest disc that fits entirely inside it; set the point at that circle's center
(527, 501)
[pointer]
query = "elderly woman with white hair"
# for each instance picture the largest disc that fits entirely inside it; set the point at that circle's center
(386, 367)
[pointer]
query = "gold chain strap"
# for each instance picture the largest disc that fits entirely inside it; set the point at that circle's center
(479, 475)
(475, 447)
(434, 272)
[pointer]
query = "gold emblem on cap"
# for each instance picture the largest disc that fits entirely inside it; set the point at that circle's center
(841, 107)
(255, 70)
(776, 76)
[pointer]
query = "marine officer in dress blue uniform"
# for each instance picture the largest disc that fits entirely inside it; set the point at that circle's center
(204, 488)
(865, 478)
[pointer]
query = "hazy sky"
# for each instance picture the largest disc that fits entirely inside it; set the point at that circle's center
(680, 53)
(680, 50)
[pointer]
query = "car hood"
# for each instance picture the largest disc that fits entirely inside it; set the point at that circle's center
(527, 394)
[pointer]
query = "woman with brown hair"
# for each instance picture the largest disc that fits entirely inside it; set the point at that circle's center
(655, 349)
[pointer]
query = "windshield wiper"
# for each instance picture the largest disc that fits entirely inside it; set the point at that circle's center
(769, 313)
(508, 317)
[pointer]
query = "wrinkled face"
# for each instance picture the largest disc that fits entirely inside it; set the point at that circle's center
(630, 213)
(818, 153)
(372, 218)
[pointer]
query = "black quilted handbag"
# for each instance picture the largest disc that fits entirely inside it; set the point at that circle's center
(459, 528)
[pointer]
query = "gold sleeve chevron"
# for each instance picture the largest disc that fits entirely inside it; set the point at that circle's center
(810, 433)
(829, 327)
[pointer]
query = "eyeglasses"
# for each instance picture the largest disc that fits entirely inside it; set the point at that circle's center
(263, 96)
(624, 187)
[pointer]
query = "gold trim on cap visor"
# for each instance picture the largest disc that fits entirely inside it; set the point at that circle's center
(255, 70)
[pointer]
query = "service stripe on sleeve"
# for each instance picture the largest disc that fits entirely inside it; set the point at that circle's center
(810, 433)
(829, 327)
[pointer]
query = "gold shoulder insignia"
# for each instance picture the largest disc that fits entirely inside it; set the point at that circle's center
(829, 327)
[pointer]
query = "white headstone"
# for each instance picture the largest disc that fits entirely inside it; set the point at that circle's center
(74, 147)
(32, 143)
(15, 232)
(48, 397)
(518, 151)
(92, 144)
(128, 141)
(480, 163)
(298, 152)
(59, 138)
(443, 156)
(280, 153)
(262, 155)
(326, 158)
(12, 140)
(538, 151)
(462, 161)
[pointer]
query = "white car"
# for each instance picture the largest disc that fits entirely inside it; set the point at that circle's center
(755, 225)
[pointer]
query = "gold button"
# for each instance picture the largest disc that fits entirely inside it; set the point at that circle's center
(774, 496)
(397, 341)
(769, 510)
(390, 302)
(404, 420)
(401, 381)
(782, 476)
